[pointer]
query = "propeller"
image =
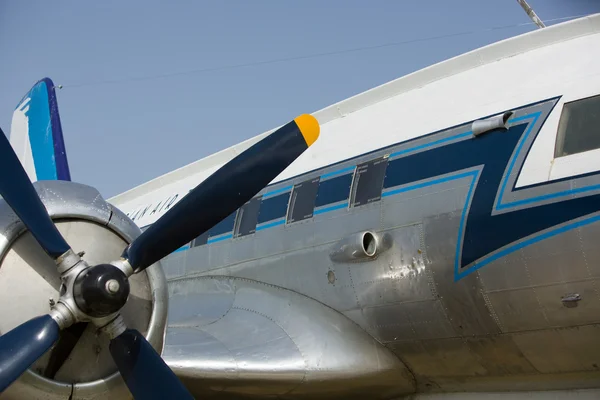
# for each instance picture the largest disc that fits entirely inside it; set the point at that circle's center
(23, 345)
(139, 363)
(223, 192)
(97, 293)
(19, 193)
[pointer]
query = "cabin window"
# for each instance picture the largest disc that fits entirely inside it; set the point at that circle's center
(247, 218)
(579, 127)
(225, 226)
(368, 181)
(200, 240)
(273, 207)
(302, 204)
(333, 190)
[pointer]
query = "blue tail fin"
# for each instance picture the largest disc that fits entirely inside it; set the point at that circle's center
(36, 134)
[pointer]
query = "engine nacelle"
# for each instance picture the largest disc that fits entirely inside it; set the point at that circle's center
(29, 286)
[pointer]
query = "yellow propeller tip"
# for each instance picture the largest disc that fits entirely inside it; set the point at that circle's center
(309, 127)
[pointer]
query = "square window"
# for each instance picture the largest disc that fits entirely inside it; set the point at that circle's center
(200, 240)
(273, 207)
(579, 127)
(333, 190)
(225, 226)
(368, 181)
(302, 204)
(247, 218)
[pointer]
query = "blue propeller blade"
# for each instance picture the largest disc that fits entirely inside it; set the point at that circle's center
(146, 374)
(19, 193)
(223, 192)
(23, 345)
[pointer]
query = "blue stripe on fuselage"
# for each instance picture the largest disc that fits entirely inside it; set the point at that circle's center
(483, 237)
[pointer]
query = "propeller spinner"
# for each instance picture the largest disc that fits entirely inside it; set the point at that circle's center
(97, 293)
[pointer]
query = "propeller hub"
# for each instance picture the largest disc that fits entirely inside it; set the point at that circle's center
(101, 290)
(112, 286)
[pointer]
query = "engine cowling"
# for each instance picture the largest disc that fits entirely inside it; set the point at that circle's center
(30, 283)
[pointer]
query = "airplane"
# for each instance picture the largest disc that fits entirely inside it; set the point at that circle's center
(437, 241)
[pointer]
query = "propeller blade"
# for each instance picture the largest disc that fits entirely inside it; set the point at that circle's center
(146, 374)
(223, 192)
(23, 345)
(19, 193)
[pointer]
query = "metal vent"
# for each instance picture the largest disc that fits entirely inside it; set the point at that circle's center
(490, 124)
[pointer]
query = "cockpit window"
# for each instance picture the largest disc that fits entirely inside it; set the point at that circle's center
(579, 127)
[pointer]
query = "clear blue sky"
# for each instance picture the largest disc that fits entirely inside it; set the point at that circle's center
(119, 135)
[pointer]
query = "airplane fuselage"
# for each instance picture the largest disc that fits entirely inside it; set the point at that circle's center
(468, 257)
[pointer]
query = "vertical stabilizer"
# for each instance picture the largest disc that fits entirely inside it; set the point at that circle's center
(36, 134)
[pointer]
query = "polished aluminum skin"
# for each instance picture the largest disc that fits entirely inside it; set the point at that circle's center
(358, 303)
(254, 338)
(88, 223)
(303, 311)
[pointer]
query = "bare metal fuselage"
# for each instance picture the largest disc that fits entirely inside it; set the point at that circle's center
(466, 287)
(432, 242)
(485, 274)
